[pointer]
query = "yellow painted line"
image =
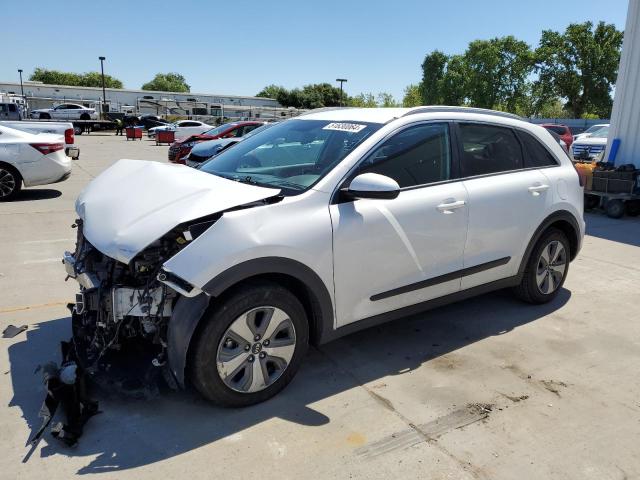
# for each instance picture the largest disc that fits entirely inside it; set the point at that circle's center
(33, 307)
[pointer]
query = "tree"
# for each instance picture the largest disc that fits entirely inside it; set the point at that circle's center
(412, 96)
(363, 100)
(386, 100)
(89, 79)
(433, 72)
(453, 86)
(167, 82)
(497, 72)
(580, 65)
(272, 91)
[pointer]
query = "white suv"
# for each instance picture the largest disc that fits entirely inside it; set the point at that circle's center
(319, 226)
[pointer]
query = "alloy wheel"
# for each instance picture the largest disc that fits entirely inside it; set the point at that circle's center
(552, 265)
(7, 183)
(256, 349)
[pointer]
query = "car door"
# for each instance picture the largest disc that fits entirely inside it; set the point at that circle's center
(507, 201)
(389, 254)
(60, 112)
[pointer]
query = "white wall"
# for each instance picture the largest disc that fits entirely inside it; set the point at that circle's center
(625, 118)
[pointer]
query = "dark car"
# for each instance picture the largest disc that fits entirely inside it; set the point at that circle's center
(150, 121)
(178, 151)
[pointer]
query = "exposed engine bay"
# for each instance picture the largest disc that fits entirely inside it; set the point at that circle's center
(122, 309)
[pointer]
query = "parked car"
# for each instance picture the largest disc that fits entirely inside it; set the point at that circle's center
(183, 128)
(31, 160)
(591, 147)
(317, 227)
(589, 131)
(10, 111)
(64, 129)
(562, 130)
(65, 111)
(179, 150)
(203, 151)
(151, 121)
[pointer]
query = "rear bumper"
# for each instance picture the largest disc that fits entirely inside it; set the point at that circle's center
(49, 169)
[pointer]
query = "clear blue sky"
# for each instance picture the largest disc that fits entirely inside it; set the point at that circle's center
(237, 47)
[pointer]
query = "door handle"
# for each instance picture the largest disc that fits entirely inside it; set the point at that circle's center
(449, 207)
(536, 189)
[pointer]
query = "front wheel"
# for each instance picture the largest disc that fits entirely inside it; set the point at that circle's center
(251, 345)
(10, 183)
(546, 268)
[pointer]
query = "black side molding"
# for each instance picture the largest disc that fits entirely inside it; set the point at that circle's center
(441, 279)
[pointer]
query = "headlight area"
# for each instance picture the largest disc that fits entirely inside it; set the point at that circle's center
(121, 314)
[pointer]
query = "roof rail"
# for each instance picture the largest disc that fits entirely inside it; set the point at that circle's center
(451, 109)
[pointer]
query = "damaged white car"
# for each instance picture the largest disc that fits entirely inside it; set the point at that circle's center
(312, 229)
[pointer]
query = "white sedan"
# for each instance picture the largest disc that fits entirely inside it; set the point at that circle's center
(65, 111)
(30, 159)
(183, 128)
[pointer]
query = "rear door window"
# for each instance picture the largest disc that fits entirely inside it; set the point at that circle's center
(488, 149)
(535, 154)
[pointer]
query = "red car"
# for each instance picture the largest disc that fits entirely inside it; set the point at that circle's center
(178, 151)
(565, 132)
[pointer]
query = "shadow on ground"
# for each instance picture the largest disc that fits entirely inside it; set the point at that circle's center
(30, 194)
(622, 230)
(131, 433)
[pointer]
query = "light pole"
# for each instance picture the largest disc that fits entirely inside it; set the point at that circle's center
(104, 94)
(341, 80)
(21, 87)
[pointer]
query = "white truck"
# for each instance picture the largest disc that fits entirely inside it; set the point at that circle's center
(64, 129)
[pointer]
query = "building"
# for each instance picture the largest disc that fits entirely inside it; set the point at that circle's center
(141, 102)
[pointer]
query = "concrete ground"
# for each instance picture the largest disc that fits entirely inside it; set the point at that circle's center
(485, 389)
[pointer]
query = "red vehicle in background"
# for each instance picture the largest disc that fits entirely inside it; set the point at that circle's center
(178, 151)
(562, 130)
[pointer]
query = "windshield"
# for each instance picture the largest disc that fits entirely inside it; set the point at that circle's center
(601, 133)
(594, 128)
(258, 130)
(291, 155)
(218, 130)
(557, 129)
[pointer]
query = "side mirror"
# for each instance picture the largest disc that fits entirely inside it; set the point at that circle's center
(373, 185)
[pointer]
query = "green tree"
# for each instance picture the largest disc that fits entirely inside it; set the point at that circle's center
(386, 100)
(497, 72)
(89, 79)
(453, 86)
(580, 65)
(412, 96)
(366, 100)
(272, 91)
(167, 82)
(433, 72)
(320, 95)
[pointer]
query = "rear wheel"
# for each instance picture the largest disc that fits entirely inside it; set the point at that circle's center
(251, 345)
(591, 201)
(85, 116)
(10, 182)
(78, 130)
(45, 116)
(546, 269)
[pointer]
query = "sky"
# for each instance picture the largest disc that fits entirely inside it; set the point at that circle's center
(239, 47)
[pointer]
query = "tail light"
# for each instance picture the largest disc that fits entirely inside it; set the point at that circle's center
(46, 148)
(68, 136)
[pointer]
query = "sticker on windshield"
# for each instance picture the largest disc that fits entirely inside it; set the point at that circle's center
(345, 127)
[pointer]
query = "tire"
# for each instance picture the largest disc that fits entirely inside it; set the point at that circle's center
(632, 208)
(45, 116)
(615, 208)
(10, 182)
(541, 282)
(85, 116)
(591, 201)
(224, 357)
(78, 130)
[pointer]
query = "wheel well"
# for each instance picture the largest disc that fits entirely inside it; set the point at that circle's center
(569, 230)
(12, 168)
(302, 292)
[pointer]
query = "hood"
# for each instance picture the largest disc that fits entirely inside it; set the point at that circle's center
(135, 202)
(590, 140)
(210, 147)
